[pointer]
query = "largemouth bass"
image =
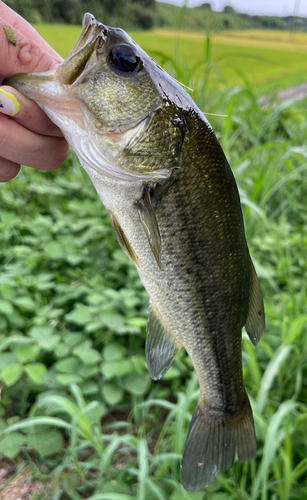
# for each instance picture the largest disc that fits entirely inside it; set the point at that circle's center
(174, 206)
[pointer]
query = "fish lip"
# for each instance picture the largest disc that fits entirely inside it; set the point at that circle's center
(93, 34)
(91, 29)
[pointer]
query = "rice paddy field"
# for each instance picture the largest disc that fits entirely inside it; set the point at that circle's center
(269, 60)
(79, 416)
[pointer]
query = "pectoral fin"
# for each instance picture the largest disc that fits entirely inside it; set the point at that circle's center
(150, 224)
(255, 322)
(122, 239)
(161, 348)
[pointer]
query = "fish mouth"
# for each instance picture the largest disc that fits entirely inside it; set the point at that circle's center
(51, 89)
(98, 141)
(92, 33)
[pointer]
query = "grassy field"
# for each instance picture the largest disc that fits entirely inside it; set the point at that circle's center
(270, 59)
(78, 414)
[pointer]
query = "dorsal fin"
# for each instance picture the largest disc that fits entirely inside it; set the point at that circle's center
(161, 348)
(255, 321)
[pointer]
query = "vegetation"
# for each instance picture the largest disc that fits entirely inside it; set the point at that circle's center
(73, 317)
(271, 60)
(145, 14)
(133, 14)
(204, 19)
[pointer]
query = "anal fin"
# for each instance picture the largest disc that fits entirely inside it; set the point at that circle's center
(161, 348)
(255, 321)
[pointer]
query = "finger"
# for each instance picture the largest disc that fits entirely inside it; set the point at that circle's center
(23, 146)
(24, 57)
(16, 21)
(8, 170)
(26, 112)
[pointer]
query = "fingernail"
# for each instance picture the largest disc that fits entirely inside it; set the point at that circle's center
(8, 103)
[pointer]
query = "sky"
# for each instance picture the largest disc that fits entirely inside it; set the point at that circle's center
(264, 7)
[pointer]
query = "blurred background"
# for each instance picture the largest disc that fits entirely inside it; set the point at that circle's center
(79, 415)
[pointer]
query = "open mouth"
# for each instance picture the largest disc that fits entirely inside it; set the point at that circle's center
(52, 89)
(91, 34)
(72, 67)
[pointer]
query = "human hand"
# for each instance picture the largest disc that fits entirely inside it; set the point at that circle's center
(27, 136)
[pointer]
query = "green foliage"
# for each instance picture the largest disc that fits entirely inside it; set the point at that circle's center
(203, 18)
(73, 319)
(129, 14)
(144, 14)
(270, 61)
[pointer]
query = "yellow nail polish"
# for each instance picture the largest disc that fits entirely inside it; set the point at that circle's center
(8, 103)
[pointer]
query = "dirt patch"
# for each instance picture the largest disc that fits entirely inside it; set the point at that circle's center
(20, 486)
(296, 93)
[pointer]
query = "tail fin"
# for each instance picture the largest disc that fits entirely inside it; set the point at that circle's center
(213, 441)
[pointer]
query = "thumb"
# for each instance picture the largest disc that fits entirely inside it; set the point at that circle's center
(19, 54)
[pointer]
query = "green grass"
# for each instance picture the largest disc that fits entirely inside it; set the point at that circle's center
(73, 318)
(270, 60)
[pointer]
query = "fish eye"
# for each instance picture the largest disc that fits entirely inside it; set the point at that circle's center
(123, 60)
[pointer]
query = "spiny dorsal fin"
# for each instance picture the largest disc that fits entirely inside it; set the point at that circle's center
(255, 321)
(150, 224)
(122, 239)
(161, 348)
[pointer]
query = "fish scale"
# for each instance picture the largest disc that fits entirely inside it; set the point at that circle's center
(174, 206)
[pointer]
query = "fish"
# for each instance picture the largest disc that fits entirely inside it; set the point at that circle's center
(173, 202)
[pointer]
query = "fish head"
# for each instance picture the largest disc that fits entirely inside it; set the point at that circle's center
(111, 101)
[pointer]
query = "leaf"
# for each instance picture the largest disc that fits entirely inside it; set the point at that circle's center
(111, 369)
(136, 384)
(68, 378)
(6, 359)
(95, 298)
(54, 250)
(68, 365)
(10, 444)
(172, 373)
(71, 482)
(270, 373)
(113, 352)
(41, 332)
(36, 371)
(97, 413)
(25, 303)
(7, 291)
(6, 307)
(11, 374)
(295, 329)
(89, 388)
(46, 443)
(112, 320)
(61, 350)
(74, 258)
(181, 494)
(27, 353)
(49, 343)
(138, 322)
(112, 394)
(87, 371)
(87, 354)
(73, 338)
(80, 315)
(3, 324)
